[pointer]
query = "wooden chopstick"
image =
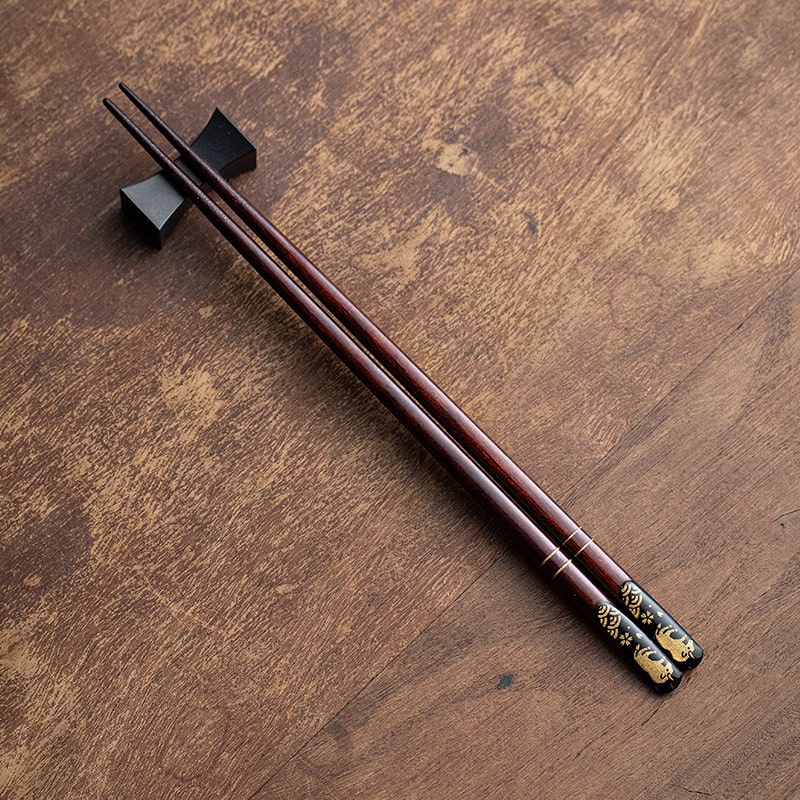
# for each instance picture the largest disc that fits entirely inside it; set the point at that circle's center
(631, 641)
(566, 534)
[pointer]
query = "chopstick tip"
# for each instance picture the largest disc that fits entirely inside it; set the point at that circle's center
(118, 114)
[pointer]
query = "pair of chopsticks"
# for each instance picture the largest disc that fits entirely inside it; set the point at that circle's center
(630, 618)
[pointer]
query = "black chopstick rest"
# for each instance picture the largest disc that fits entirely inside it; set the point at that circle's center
(157, 205)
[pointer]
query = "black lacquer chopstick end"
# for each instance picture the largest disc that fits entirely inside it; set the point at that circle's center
(682, 649)
(634, 644)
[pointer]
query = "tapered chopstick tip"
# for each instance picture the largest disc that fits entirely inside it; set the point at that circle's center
(116, 111)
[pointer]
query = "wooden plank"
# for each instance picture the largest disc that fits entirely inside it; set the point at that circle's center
(211, 538)
(505, 696)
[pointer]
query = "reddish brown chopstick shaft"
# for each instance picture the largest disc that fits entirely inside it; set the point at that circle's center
(652, 662)
(567, 535)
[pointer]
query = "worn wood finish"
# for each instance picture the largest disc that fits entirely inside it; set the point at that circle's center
(725, 442)
(559, 211)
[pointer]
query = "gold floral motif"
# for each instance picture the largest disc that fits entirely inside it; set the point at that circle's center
(610, 619)
(659, 669)
(632, 597)
(681, 648)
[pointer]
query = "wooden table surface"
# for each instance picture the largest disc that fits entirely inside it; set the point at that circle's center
(228, 572)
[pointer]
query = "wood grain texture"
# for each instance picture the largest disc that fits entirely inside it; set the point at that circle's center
(580, 219)
(475, 689)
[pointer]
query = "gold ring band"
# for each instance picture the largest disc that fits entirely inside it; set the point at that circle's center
(584, 547)
(569, 560)
(556, 549)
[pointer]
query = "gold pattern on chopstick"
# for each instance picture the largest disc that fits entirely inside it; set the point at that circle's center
(659, 669)
(556, 549)
(681, 648)
(671, 638)
(610, 619)
(632, 597)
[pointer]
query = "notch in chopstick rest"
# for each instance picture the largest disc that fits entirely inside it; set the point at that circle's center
(683, 650)
(653, 663)
(157, 204)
